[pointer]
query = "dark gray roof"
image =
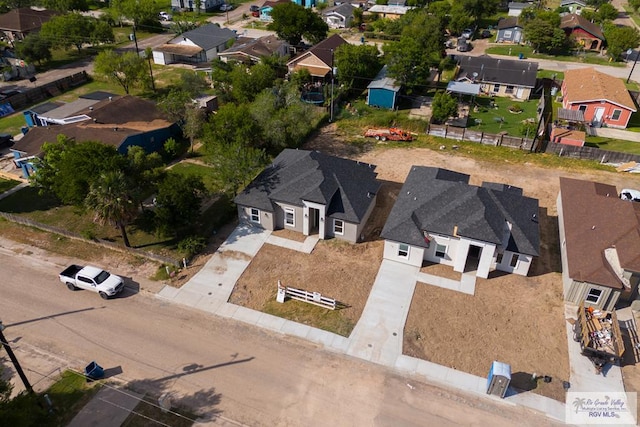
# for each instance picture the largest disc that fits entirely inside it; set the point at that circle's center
(497, 70)
(98, 95)
(46, 107)
(345, 186)
(207, 36)
(383, 82)
(345, 9)
(509, 22)
(439, 200)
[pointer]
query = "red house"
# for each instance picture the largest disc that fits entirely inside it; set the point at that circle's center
(584, 32)
(603, 99)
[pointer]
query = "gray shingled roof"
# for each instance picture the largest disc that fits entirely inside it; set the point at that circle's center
(438, 200)
(345, 186)
(381, 81)
(207, 36)
(498, 70)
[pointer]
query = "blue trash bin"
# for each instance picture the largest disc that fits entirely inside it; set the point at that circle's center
(94, 371)
(521, 56)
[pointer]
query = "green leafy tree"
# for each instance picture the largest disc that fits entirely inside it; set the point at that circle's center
(68, 30)
(619, 39)
(34, 48)
(234, 165)
(232, 123)
(247, 83)
(440, 8)
(544, 36)
(178, 202)
(139, 11)
(193, 123)
(292, 22)
(127, 69)
(101, 33)
(459, 19)
(174, 105)
(419, 49)
(193, 83)
(67, 168)
(65, 5)
(479, 9)
(606, 12)
(635, 4)
(111, 199)
(443, 106)
(357, 64)
(596, 3)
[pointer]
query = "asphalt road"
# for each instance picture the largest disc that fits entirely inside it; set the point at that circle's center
(218, 367)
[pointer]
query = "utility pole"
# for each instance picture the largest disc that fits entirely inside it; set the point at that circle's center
(635, 61)
(12, 356)
(333, 74)
(135, 38)
(148, 53)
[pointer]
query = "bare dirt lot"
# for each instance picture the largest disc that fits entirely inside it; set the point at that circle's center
(512, 319)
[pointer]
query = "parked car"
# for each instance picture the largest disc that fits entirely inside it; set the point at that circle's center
(463, 45)
(164, 16)
(254, 8)
(467, 33)
(224, 7)
(629, 194)
(485, 34)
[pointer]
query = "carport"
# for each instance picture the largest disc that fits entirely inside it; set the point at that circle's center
(170, 53)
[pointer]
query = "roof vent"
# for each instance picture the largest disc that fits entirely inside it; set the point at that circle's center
(415, 198)
(534, 218)
(593, 227)
(111, 98)
(368, 194)
(408, 192)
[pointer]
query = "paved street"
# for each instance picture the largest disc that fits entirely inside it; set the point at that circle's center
(220, 367)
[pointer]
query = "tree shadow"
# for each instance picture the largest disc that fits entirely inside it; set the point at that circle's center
(522, 382)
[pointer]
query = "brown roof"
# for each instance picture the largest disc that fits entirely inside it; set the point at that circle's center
(112, 122)
(572, 21)
(322, 50)
(179, 49)
(587, 84)
(594, 219)
(25, 19)
(254, 48)
(509, 22)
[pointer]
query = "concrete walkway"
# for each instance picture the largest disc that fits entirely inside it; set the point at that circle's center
(109, 408)
(378, 335)
(616, 134)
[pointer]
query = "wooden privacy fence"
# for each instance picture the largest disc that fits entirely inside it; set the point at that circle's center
(463, 134)
(99, 242)
(40, 93)
(301, 295)
(591, 153)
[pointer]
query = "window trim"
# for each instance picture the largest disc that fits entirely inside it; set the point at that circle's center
(597, 301)
(401, 249)
(515, 264)
(254, 215)
(335, 227)
(510, 89)
(507, 34)
(444, 252)
(584, 110)
(496, 88)
(619, 112)
(293, 217)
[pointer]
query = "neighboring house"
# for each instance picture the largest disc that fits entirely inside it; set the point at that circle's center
(509, 31)
(516, 8)
(119, 121)
(196, 46)
(498, 77)
(339, 16)
(190, 5)
(383, 91)
(251, 51)
(62, 113)
(267, 7)
(599, 244)
(603, 99)
(584, 32)
(308, 3)
(390, 12)
(311, 193)
(438, 217)
(574, 6)
(18, 23)
(319, 59)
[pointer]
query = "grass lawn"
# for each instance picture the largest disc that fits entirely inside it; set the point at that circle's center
(613, 144)
(192, 169)
(69, 394)
(12, 124)
(549, 74)
(7, 184)
(527, 51)
(148, 410)
(498, 119)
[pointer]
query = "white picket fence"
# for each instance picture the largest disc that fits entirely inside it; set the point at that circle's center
(301, 295)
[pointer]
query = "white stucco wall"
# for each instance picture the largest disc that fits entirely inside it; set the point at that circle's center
(522, 265)
(415, 257)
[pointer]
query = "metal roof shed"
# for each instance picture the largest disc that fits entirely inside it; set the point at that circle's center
(382, 91)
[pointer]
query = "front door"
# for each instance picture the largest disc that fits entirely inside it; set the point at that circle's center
(314, 221)
(597, 117)
(473, 258)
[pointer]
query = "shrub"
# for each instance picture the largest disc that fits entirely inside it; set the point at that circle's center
(515, 108)
(190, 246)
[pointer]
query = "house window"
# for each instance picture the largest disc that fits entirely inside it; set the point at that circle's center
(594, 295)
(509, 89)
(499, 258)
(289, 217)
(496, 88)
(403, 250)
(338, 226)
(616, 114)
(582, 108)
(441, 250)
(507, 34)
(255, 215)
(514, 260)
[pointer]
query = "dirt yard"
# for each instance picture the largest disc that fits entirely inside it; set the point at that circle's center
(512, 319)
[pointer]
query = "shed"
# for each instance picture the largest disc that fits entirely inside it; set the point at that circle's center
(382, 91)
(499, 378)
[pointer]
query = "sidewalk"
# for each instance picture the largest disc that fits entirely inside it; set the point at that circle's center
(378, 335)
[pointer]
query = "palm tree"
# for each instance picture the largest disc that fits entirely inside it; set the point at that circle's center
(110, 199)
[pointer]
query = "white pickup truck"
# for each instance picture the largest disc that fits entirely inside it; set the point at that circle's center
(92, 278)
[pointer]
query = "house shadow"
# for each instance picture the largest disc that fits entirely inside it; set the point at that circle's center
(386, 198)
(549, 260)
